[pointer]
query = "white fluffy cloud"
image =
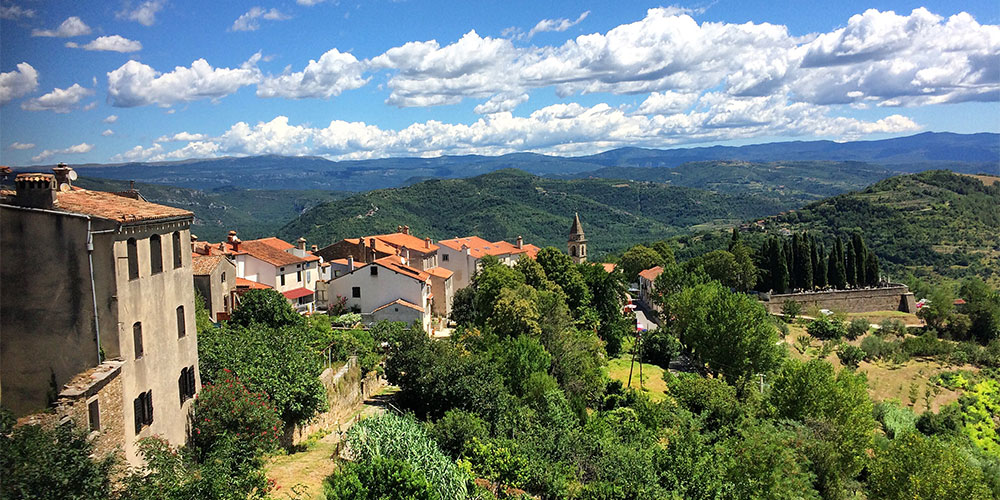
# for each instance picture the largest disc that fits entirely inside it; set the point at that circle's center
(501, 102)
(81, 148)
(20, 82)
(250, 21)
(15, 12)
(667, 103)
(308, 3)
(108, 133)
(181, 137)
(144, 14)
(59, 100)
(137, 84)
(556, 24)
(21, 146)
(110, 119)
(331, 75)
(112, 43)
(273, 137)
(71, 27)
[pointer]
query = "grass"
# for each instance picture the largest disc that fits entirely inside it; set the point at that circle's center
(652, 376)
(877, 317)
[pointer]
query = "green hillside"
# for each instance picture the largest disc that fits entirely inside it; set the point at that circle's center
(251, 212)
(508, 203)
(936, 224)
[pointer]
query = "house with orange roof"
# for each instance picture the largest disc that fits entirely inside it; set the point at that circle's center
(387, 289)
(290, 269)
(647, 278)
(420, 253)
(462, 256)
(97, 304)
(215, 280)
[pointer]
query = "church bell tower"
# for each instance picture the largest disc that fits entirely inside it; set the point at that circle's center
(577, 242)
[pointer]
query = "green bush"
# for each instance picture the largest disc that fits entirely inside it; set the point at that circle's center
(379, 479)
(455, 431)
(915, 467)
(857, 328)
(227, 410)
(927, 345)
(850, 355)
(790, 309)
(892, 326)
(660, 346)
(50, 463)
(824, 329)
(895, 420)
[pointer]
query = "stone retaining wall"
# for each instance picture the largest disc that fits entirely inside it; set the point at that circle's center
(345, 389)
(895, 297)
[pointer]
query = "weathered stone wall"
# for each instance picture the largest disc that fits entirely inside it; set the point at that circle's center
(345, 389)
(890, 298)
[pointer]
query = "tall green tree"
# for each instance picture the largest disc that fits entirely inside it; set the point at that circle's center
(835, 268)
(777, 266)
(638, 258)
(982, 305)
(860, 258)
(939, 307)
(871, 268)
(803, 263)
(851, 264)
(913, 467)
(819, 267)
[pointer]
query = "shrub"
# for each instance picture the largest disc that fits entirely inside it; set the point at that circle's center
(228, 410)
(892, 326)
(857, 328)
(660, 346)
(455, 431)
(917, 467)
(875, 348)
(790, 309)
(895, 420)
(39, 463)
(850, 355)
(265, 307)
(379, 478)
(824, 329)
(926, 345)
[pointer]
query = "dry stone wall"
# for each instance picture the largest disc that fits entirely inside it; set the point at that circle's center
(891, 298)
(346, 388)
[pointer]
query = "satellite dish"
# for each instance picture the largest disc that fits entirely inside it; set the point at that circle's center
(73, 175)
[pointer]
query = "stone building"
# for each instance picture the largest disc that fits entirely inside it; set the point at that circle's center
(97, 309)
(462, 256)
(577, 243)
(215, 281)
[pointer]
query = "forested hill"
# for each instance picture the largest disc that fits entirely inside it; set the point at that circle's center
(935, 224)
(509, 203)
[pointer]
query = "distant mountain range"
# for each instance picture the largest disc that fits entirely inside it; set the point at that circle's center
(971, 153)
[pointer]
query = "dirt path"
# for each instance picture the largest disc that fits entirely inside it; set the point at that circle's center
(300, 475)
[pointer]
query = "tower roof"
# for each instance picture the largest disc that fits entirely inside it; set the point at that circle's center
(577, 227)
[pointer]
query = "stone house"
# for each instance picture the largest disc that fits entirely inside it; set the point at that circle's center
(462, 255)
(92, 279)
(646, 287)
(387, 289)
(419, 253)
(215, 280)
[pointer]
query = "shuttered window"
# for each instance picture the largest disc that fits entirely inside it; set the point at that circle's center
(142, 406)
(155, 254)
(177, 249)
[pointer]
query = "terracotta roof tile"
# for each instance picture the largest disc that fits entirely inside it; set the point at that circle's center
(114, 207)
(400, 302)
(269, 250)
(380, 246)
(204, 264)
(399, 240)
(253, 285)
(394, 263)
(651, 274)
(297, 293)
(440, 272)
(608, 267)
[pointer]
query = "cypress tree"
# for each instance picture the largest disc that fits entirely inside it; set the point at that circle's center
(871, 268)
(860, 258)
(735, 240)
(803, 263)
(835, 270)
(819, 274)
(852, 265)
(778, 269)
(788, 253)
(795, 278)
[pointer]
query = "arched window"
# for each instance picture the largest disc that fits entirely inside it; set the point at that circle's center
(137, 339)
(572, 251)
(181, 327)
(583, 250)
(155, 254)
(177, 249)
(133, 259)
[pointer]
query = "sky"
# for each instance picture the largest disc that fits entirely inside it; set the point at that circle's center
(158, 80)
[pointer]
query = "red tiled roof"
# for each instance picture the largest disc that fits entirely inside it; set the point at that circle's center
(253, 285)
(608, 267)
(204, 264)
(114, 207)
(297, 293)
(269, 250)
(479, 247)
(380, 246)
(400, 240)
(400, 302)
(393, 263)
(530, 250)
(651, 274)
(440, 272)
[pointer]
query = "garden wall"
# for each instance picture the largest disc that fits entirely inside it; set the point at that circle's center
(346, 388)
(895, 297)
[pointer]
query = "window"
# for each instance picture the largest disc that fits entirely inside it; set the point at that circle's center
(374, 270)
(356, 292)
(142, 408)
(181, 327)
(298, 276)
(444, 257)
(94, 412)
(282, 280)
(307, 276)
(223, 276)
(155, 254)
(137, 339)
(572, 251)
(133, 259)
(177, 249)
(186, 383)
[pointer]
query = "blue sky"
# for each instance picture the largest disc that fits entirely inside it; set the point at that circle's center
(167, 79)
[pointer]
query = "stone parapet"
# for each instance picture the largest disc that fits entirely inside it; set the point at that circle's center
(895, 297)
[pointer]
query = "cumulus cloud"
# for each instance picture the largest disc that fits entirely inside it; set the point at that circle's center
(108, 133)
(331, 75)
(113, 43)
(20, 82)
(308, 3)
(144, 14)
(879, 58)
(250, 21)
(556, 24)
(21, 145)
(71, 27)
(181, 137)
(667, 103)
(273, 137)
(501, 102)
(110, 119)
(137, 84)
(15, 12)
(59, 100)
(81, 148)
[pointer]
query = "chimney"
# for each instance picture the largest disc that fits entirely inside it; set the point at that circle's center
(350, 263)
(406, 229)
(520, 242)
(231, 237)
(399, 229)
(64, 175)
(427, 242)
(236, 244)
(35, 190)
(131, 185)
(301, 243)
(194, 241)
(405, 254)
(371, 248)
(314, 248)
